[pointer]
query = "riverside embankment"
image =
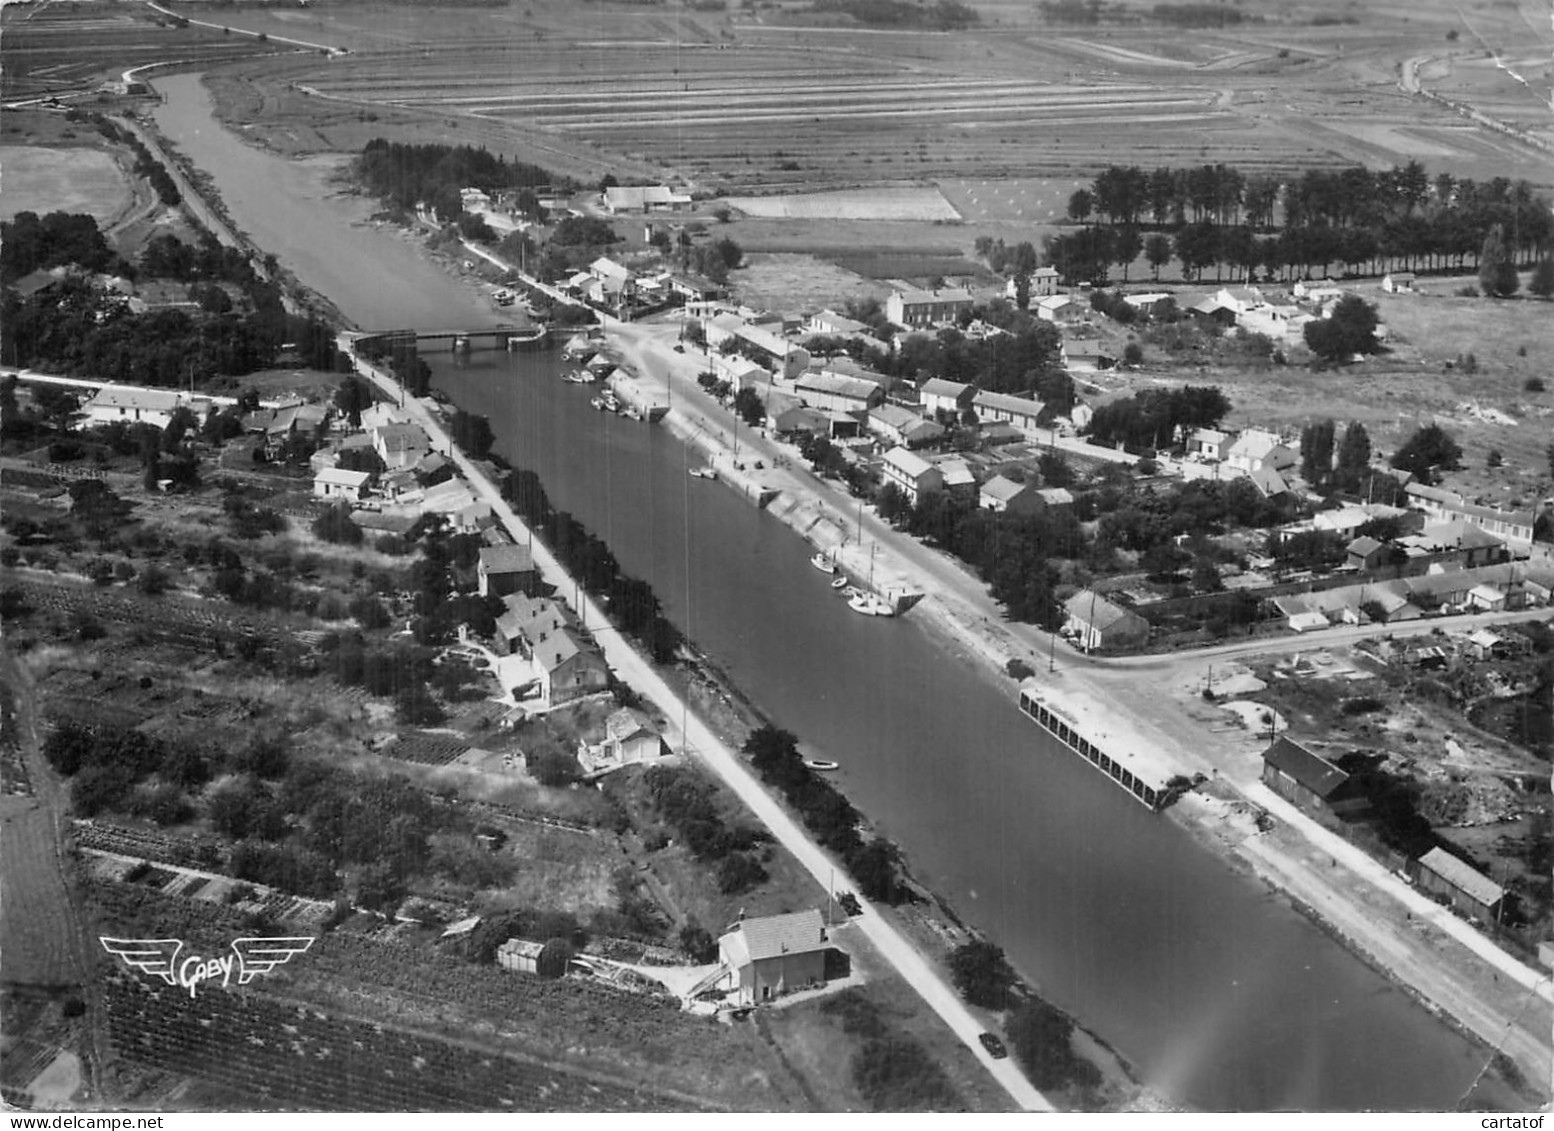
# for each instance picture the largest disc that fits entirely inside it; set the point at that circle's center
(1221, 996)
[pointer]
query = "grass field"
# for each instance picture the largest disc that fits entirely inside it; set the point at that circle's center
(905, 203)
(45, 180)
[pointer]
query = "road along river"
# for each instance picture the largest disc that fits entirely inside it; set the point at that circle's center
(1215, 990)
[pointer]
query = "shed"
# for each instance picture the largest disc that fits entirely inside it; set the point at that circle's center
(1468, 890)
(339, 483)
(1309, 781)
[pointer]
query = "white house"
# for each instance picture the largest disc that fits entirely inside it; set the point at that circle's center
(1062, 309)
(1399, 282)
(1001, 408)
(918, 310)
(338, 483)
(911, 473)
(1044, 283)
(937, 394)
(619, 199)
(119, 403)
(1255, 449)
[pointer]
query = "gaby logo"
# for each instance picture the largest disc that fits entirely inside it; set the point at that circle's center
(249, 958)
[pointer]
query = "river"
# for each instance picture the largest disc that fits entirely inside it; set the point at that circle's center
(1220, 994)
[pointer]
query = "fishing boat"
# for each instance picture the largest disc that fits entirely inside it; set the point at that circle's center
(861, 602)
(822, 563)
(822, 764)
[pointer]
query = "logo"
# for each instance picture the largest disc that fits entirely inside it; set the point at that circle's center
(249, 959)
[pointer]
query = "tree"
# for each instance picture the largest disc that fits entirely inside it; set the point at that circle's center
(1497, 276)
(1354, 456)
(1157, 250)
(1542, 281)
(554, 958)
(1429, 450)
(351, 398)
(1349, 330)
(1316, 451)
(1080, 205)
(335, 525)
(1043, 1041)
(981, 973)
(747, 403)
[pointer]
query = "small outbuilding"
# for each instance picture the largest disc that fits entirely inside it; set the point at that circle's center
(1469, 890)
(503, 570)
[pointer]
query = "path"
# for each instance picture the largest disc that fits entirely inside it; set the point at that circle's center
(699, 739)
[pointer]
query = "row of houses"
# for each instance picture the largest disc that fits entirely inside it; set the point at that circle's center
(1504, 587)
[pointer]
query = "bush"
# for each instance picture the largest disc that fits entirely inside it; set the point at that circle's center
(335, 525)
(1534, 385)
(1042, 1039)
(981, 974)
(553, 766)
(1018, 670)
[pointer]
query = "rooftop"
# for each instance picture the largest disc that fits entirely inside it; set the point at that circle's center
(505, 559)
(799, 932)
(1462, 876)
(1310, 770)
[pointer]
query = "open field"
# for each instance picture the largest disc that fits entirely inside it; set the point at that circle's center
(63, 180)
(906, 203)
(763, 101)
(1485, 406)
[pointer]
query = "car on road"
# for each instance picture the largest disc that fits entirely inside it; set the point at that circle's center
(995, 1047)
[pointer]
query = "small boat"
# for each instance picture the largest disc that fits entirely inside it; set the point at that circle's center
(839, 581)
(861, 602)
(631, 413)
(576, 377)
(598, 403)
(822, 563)
(704, 473)
(821, 764)
(882, 607)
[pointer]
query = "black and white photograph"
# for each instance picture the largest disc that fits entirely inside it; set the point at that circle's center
(616, 557)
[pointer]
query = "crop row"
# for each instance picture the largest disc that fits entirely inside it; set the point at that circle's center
(300, 1058)
(426, 749)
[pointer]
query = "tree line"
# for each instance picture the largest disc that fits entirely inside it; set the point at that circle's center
(1368, 221)
(406, 175)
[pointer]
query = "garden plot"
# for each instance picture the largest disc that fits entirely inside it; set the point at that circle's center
(906, 203)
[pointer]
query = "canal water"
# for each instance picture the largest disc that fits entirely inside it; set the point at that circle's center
(1220, 995)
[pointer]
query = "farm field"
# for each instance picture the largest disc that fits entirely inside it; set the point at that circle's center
(904, 203)
(45, 180)
(764, 102)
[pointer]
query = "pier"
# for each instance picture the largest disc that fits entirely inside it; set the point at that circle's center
(491, 337)
(1128, 762)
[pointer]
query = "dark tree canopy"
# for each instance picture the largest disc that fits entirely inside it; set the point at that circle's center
(1349, 330)
(1429, 451)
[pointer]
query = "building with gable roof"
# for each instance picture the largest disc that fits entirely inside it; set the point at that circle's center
(1062, 309)
(768, 957)
(642, 199)
(838, 393)
(1099, 624)
(920, 310)
(911, 473)
(113, 404)
(1310, 781)
(629, 740)
(949, 396)
(1469, 890)
(338, 483)
(1001, 408)
(902, 426)
(505, 569)
(1001, 495)
(568, 668)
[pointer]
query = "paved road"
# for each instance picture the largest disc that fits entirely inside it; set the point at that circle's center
(699, 739)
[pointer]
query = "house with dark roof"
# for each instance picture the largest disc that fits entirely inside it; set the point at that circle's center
(911, 473)
(505, 569)
(1465, 887)
(1366, 552)
(1099, 624)
(1001, 495)
(768, 957)
(916, 310)
(1310, 781)
(629, 740)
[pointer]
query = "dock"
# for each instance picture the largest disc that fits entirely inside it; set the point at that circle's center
(1090, 730)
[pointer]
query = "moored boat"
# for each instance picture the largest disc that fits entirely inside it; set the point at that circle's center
(822, 563)
(839, 581)
(861, 602)
(822, 764)
(704, 473)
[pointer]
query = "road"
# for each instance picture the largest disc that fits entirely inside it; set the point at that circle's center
(699, 740)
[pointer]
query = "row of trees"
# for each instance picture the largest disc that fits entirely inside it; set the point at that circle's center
(632, 602)
(1370, 222)
(831, 817)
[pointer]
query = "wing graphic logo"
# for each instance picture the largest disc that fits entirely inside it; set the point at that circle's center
(250, 958)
